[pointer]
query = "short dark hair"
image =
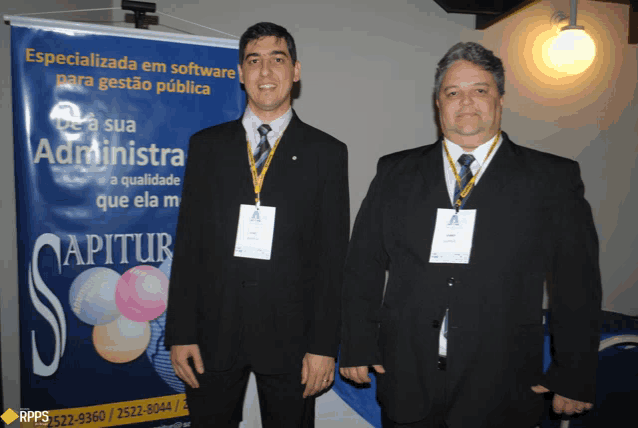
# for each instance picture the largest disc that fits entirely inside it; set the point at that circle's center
(476, 54)
(265, 29)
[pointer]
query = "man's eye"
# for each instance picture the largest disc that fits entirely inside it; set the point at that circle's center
(451, 94)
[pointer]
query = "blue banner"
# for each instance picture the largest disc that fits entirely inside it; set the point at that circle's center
(102, 118)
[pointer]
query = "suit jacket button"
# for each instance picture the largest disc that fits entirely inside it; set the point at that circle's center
(436, 323)
(450, 281)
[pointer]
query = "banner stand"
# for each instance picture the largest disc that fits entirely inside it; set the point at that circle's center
(102, 120)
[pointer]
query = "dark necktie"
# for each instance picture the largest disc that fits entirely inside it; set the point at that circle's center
(263, 148)
(465, 173)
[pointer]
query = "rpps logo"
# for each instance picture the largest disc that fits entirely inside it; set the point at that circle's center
(25, 415)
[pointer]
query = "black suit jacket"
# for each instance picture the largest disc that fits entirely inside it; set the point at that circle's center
(532, 222)
(273, 310)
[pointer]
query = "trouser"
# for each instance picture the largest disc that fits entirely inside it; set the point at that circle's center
(219, 400)
(436, 417)
(439, 409)
(434, 420)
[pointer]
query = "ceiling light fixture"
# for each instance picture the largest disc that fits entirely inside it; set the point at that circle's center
(572, 50)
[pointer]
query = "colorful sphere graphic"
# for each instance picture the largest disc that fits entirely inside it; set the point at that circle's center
(160, 357)
(122, 340)
(142, 293)
(166, 266)
(92, 296)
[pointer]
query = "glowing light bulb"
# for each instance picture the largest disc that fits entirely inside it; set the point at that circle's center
(571, 52)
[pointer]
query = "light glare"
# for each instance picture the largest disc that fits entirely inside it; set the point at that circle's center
(571, 51)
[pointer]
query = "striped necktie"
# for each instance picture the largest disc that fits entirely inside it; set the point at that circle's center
(465, 173)
(263, 148)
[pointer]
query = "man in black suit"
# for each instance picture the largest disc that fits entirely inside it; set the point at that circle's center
(469, 228)
(259, 252)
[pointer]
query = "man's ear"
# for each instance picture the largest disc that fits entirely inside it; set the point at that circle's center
(297, 72)
(241, 76)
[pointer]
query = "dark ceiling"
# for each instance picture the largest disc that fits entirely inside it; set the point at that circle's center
(490, 12)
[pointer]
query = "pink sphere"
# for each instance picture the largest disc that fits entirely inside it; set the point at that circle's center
(141, 293)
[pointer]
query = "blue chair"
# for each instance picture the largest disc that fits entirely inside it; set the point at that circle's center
(362, 399)
(617, 378)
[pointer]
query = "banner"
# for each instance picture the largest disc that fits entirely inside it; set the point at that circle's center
(102, 118)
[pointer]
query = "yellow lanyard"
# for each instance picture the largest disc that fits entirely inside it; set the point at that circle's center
(258, 181)
(470, 185)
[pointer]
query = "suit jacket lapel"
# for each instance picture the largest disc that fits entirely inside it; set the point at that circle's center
(236, 143)
(236, 154)
(431, 168)
(288, 159)
(429, 193)
(291, 139)
(504, 173)
(235, 168)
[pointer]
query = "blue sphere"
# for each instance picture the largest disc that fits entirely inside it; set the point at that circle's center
(160, 357)
(157, 353)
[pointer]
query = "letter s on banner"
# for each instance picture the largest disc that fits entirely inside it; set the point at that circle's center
(59, 329)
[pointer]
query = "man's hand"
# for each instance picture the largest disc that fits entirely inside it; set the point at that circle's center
(562, 404)
(317, 373)
(179, 359)
(360, 374)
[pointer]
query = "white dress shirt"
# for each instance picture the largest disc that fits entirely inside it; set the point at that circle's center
(480, 158)
(251, 122)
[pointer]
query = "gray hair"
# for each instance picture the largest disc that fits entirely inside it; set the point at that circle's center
(476, 54)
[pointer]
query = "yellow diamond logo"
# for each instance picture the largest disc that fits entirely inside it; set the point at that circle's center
(9, 416)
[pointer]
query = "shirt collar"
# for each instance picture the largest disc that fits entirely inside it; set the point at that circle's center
(251, 122)
(479, 153)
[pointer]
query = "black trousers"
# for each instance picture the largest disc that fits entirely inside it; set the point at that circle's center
(433, 421)
(436, 418)
(219, 400)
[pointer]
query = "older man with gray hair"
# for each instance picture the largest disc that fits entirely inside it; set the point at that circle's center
(469, 229)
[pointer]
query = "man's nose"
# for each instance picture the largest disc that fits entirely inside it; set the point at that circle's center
(265, 68)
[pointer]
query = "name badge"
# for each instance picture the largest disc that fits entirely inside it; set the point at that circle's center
(452, 240)
(255, 232)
